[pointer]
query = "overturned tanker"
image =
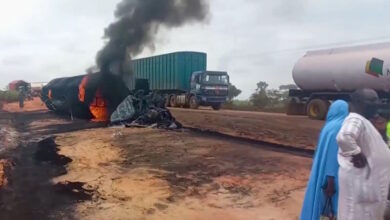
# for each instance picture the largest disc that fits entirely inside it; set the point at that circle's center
(92, 96)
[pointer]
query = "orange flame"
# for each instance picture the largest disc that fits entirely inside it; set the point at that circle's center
(82, 86)
(50, 95)
(98, 107)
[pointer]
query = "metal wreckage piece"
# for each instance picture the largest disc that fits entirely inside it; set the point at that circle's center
(140, 110)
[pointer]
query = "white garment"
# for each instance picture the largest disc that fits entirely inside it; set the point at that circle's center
(362, 192)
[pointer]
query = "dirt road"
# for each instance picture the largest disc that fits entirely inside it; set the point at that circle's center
(64, 169)
(276, 128)
(294, 131)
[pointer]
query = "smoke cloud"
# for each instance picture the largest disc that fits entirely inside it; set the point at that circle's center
(138, 21)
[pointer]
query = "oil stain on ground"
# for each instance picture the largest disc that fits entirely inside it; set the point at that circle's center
(31, 193)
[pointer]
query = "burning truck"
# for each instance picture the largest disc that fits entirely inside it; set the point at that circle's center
(105, 98)
(92, 96)
(102, 95)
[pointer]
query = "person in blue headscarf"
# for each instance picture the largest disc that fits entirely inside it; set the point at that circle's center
(323, 181)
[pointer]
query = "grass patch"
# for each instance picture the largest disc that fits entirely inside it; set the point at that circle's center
(246, 105)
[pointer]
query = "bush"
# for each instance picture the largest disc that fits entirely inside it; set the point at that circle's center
(246, 105)
(260, 99)
(240, 105)
(9, 96)
(263, 99)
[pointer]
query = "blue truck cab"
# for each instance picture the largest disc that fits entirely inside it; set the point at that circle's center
(209, 88)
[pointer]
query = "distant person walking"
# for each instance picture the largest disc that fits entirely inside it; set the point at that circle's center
(21, 97)
(364, 160)
(322, 189)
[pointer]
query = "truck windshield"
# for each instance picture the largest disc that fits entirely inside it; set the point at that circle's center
(216, 79)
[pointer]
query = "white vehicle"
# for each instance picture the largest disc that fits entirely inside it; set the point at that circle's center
(327, 75)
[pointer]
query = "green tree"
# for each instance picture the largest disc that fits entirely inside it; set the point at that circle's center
(260, 98)
(277, 98)
(262, 86)
(233, 92)
(274, 97)
(284, 92)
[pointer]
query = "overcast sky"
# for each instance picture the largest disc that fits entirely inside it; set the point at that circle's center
(254, 40)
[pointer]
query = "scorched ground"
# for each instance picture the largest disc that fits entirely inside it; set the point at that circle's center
(64, 169)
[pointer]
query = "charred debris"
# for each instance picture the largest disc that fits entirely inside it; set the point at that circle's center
(105, 98)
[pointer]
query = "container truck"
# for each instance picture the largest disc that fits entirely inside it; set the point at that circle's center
(182, 77)
(327, 75)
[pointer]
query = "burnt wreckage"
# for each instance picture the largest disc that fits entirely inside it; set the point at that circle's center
(105, 97)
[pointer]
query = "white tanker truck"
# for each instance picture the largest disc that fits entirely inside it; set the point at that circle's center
(327, 75)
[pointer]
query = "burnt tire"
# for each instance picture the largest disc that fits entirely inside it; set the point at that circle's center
(167, 101)
(194, 103)
(172, 101)
(217, 107)
(317, 109)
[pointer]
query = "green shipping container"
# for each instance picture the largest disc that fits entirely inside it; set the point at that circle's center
(168, 71)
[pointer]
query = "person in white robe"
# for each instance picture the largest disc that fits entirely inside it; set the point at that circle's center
(364, 160)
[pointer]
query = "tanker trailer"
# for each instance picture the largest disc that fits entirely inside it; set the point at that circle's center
(327, 75)
(92, 96)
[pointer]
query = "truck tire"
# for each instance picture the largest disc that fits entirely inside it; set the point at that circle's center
(216, 107)
(194, 104)
(172, 101)
(317, 109)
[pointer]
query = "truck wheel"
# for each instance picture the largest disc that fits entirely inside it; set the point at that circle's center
(216, 107)
(317, 109)
(194, 102)
(172, 101)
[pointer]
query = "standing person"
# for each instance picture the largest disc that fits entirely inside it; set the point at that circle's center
(21, 97)
(323, 182)
(388, 131)
(380, 123)
(364, 160)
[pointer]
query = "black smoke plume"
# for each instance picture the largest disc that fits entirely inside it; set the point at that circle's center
(138, 21)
